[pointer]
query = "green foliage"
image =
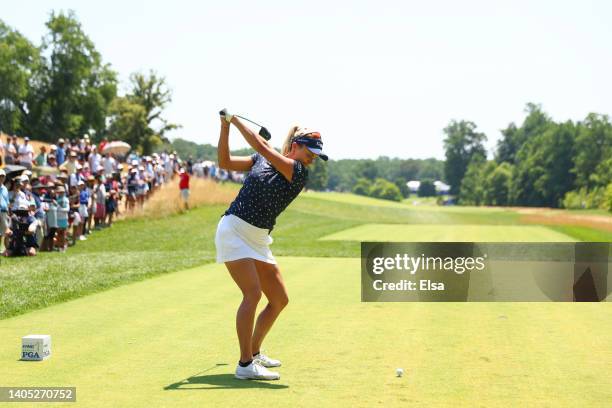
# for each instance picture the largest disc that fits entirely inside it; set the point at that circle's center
(137, 117)
(426, 188)
(607, 201)
(60, 89)
(317, 175)
(542, 173)
(19, 60)
(386, 190)
(462, 142)
(362, 187)
(593, 158)
(513, 138)
(472, 189)
(400, 182)
(585, 198)
(497, 185)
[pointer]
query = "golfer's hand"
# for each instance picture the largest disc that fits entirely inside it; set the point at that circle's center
(226, 119)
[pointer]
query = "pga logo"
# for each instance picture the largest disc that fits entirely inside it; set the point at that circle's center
(29, 354)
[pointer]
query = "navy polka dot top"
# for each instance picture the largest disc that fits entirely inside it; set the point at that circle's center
(266, 192)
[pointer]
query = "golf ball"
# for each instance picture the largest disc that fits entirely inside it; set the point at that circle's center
(399, 372)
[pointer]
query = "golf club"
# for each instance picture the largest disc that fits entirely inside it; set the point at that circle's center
(263, 132)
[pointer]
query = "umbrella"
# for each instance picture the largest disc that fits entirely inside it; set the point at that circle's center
(13, 170)
(117, 147)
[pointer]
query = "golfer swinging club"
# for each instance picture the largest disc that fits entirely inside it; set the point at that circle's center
(242, 239)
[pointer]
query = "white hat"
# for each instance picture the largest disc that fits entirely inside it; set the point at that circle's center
(81, 183)
(24, 178)
(2, 173)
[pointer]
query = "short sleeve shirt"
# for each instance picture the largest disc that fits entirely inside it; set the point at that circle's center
(265, 192)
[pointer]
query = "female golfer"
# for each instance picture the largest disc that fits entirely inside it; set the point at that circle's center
(242, 239)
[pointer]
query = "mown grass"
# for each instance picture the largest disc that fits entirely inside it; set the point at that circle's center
(141, 247)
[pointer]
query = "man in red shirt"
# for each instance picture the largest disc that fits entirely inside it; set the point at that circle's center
(184, 186)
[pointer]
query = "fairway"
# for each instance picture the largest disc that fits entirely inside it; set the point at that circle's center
(170, 341)
(449, 233)
(355, 199)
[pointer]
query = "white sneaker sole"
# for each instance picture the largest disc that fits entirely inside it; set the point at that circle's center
(244, 377)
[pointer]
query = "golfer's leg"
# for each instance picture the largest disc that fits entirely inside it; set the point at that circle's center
(245, 275)
(273, 287)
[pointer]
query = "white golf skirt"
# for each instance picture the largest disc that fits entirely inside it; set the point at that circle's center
(237, 239)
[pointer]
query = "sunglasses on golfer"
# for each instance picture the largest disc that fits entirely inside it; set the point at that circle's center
(313, 142)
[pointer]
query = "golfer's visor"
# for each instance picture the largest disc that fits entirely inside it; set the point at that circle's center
(313, 142)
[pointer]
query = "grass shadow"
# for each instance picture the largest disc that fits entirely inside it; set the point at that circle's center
(219, 382)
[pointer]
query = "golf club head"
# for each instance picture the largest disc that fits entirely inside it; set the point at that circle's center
(222, 112)
(263, 132)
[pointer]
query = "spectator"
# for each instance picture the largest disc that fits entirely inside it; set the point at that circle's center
(100, 200)
(50, 200)
(71, 164)
(17, 195)
(83, 207)
(184, 186)
(63, 207)
(4, 207)
(10, 150)
(102, 144)
(26, 153)
(41, 159)
(22, 240)
(92, 205)
(74, 218)
(60, 154)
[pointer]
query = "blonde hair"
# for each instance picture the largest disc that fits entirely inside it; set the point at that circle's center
(289, 140)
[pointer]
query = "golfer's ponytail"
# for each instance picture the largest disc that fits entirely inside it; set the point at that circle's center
(288, 140)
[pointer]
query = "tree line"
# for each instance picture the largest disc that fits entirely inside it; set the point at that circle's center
(63, 88)
(537, 163)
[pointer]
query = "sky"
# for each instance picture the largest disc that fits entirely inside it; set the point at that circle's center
(376, 78)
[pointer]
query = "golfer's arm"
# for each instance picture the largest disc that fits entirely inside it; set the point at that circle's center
(227, 161)
(280, 162)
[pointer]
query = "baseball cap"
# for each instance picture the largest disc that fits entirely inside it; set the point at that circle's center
(2, 172)
(312, 140)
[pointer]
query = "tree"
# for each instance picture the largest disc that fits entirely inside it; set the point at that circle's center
(367, 169)
(497, 185)
(593, 155)
(461, 144)
(542, 176)
(426, 188)
(400, 182)
(513, 138)
(19, 61)
(60, 90)
(362, 187)
(77, 87)
(471, 191)
(137, 117)
(317, 175)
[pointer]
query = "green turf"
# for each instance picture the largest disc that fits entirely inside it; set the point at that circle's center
(170, 341)
(426, 204)
(449, 233)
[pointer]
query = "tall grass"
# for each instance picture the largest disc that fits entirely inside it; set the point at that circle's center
(167, 200)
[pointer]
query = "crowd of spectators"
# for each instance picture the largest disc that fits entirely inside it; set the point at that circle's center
(70, 189)
(67, 190)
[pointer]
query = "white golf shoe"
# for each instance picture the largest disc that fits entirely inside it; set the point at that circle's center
(267, 361)
(255, 371)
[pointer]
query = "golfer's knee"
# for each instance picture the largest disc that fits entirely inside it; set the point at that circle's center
(252, 296)
(280, 303)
